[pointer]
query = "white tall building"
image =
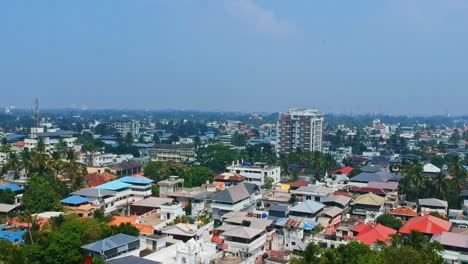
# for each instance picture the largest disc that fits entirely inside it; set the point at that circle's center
(125, 127)
(256, 173)
(300, 128)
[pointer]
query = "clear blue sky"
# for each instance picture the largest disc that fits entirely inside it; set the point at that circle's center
(389, 56)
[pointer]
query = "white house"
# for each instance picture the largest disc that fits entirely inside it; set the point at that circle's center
(256, 173)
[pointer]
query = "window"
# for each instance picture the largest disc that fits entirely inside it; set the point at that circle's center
(184, 260)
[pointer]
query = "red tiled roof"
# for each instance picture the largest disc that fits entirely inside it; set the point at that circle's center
(405, 211)
(426, 224)
(299, 183)
(370, 233)
(345, 170)
(367, 190)
(230, 177)
(343, 193)
(217, 240)
(95, 179)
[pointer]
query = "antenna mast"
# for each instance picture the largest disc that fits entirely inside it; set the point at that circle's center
(36, 111)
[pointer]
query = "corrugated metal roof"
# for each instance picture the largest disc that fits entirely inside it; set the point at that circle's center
(75, 200)
(113, 185)
(110, 243)
(137, 180)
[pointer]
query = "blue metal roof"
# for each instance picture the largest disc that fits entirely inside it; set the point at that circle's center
(15, 236)
(75, 200)
(137, 180)
(113, 185)
(13, 187)
(108, 138)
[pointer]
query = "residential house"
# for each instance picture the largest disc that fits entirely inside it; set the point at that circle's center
(432, 205)
(124, 168)
(368, 205)
(340, 201)
(228, 179)
(306, 209)
(316, 193)
(246, 242)
(117, 246)
(363, 178)
(241, 197)
(455, 247)
(404, 213)
(149, 204)
(372, 233)
(428, 224)
(170, 185)
(256, 173)
(276, 211)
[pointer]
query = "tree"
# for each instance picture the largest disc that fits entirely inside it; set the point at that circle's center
(239, 139)
(123, 228)
(389, 220)
(197, 175)
(39, 196)
(7, 196)
(268, 185)
(216, 157)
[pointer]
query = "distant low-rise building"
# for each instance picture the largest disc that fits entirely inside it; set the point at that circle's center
(173, 152)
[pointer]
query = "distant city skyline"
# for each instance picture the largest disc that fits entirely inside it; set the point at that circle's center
(394, 57)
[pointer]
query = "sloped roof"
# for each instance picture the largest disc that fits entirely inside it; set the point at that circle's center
(433, 202)
(74, 200)
(93, 192)
(110, 243)
(308, 206)
(13, 187)
(95, 179)
(345, 170)
(451, 239)
(236, 193)
(299, 183)
(278, 208)
(243, 232)
(405, 211)
(369, 199)
(426, 224)
(5, 208)
(383, 185)
(366, 190)
(136, 180)
(431, 168)
(332, 211)
(118, 220)
(131, 259)
(379, 176)
(113, 185)
(228, 176)
(254, 222)
(319, 189)
(340, 199)
(153, 202)
(370, 233)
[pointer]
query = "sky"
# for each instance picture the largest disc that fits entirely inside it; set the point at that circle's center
(361, 56)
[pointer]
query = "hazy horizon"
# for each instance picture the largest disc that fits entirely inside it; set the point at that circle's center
(394, 57)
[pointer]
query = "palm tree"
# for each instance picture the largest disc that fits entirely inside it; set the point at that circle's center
(13, 164)
(440, 185)
(26, 160)
(40, 159)
(73, 169)
(56, 162)
(317, 163)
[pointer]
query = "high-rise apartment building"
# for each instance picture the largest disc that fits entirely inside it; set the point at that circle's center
(300, 128)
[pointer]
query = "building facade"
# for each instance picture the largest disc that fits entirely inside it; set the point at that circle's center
(125, 127)
(300, 129)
